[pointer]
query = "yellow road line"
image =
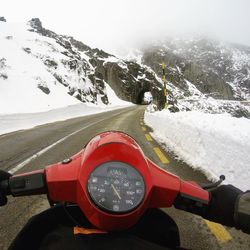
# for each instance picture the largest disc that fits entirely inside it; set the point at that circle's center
(161, 156)
(221, 234)
(143, 129)
(148, 137)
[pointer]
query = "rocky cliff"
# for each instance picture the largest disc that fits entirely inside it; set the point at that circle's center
(59, 67)
(216, 69)
(202, 74)
(128, 79)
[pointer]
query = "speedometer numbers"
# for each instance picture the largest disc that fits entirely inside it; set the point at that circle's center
(116, 187)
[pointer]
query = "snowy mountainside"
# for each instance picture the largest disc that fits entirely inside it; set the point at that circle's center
(229, 62)
(201, 73)
(37, 74)
(41, 70)
(215, 68)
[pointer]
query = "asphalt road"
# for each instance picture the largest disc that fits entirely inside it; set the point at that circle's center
(19, 146)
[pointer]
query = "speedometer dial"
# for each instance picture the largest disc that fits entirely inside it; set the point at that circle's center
(116, 187)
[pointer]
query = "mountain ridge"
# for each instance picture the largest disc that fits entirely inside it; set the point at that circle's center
(81, 72)
(198, 72)
(203, 71)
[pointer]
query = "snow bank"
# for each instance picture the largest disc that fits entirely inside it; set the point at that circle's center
(214, 143)
(13, 122)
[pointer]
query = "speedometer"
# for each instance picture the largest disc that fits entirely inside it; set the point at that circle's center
(116, 187)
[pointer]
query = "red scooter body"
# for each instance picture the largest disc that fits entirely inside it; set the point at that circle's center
(110, 156)
(67, 181)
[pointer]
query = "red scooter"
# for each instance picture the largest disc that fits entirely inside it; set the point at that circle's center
(109, 189)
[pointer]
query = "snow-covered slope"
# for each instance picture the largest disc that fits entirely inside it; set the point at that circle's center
(27, 83)
(215, 68)
(41, 70)
(201, 73)
(28, 86)
(229, 62)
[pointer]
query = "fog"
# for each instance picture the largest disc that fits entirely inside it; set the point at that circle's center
(114, 25)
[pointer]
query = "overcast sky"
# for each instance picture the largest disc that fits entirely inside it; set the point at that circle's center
(113, 25)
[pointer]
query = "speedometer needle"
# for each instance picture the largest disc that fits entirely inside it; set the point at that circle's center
(116, 191)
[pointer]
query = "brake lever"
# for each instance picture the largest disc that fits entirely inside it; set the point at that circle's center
(207, 186)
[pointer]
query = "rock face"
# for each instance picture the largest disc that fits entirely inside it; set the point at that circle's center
(2, 19)
(3, 66)
(216, 69)
(179, 69)
(202, 74)
(129, 80)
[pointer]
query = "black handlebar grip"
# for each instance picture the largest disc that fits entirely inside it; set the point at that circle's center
(30, 184)
(188, 204)
(4, 187)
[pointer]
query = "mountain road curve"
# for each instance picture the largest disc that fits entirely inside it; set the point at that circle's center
(28, 150)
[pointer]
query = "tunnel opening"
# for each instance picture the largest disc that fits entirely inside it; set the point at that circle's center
(144, 98)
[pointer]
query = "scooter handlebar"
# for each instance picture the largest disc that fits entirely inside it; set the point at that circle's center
(32, 183)
(188, 192)
(167, 189)
(67, 182)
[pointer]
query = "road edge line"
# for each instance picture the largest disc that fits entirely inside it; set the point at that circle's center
(34, 156)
